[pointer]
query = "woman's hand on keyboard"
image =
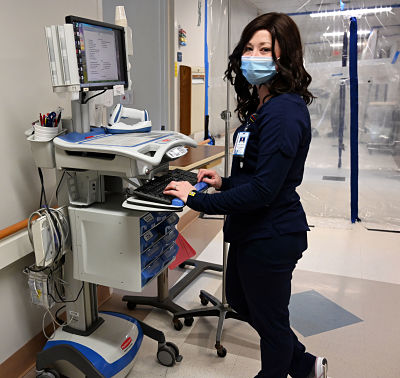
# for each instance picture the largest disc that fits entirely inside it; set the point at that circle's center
(179, 189)
(210, 177)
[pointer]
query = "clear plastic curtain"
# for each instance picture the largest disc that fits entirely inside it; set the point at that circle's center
(326, 188)
(217, 56)
(379, 125)
(241, 13)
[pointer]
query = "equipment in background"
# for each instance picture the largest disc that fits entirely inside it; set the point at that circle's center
(115, 126)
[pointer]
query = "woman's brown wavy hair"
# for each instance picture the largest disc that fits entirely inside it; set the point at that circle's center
(291, 77)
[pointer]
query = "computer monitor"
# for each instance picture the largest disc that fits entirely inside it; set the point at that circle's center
(101, 54)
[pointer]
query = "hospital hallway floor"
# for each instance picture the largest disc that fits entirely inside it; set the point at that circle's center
(344, 306)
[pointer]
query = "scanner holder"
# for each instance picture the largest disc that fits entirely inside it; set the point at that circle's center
(120, 112)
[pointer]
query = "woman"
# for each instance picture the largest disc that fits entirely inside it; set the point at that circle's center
(266, 225)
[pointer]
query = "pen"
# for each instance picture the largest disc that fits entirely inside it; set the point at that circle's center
(41, 119)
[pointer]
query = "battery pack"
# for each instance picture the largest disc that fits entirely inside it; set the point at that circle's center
(42, 242)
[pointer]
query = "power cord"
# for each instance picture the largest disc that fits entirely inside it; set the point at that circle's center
(85, 101)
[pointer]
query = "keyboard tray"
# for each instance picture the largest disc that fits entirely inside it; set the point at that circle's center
(153, 189)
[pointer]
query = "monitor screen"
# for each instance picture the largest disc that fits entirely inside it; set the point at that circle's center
(101, 54)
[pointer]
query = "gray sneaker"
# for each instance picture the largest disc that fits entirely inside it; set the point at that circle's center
(320, 369)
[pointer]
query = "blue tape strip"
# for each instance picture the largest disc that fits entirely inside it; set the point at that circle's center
(353, 120)
(118, 113)
(396, 55)
(206, 65)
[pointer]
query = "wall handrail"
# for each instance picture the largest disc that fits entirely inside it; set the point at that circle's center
(14, 228)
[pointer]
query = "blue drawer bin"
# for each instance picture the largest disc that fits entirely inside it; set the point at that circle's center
(170, 237)
(151, 253)
(168, 224)
(152, 270)
(147, 222)
(147, 239)
(169, 253)
(159, 216)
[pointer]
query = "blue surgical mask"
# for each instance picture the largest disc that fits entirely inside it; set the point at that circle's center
(258, 69)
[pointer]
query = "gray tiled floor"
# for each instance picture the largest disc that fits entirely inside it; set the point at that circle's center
(349, 268)
(366, 349)
(311, 313)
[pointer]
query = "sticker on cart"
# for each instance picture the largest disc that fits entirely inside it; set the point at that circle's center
(166, 140)
(118, 90)
(126, 344)
(148, 218)
(147, 236)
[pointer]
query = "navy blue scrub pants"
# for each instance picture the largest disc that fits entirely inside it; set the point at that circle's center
(258, 287)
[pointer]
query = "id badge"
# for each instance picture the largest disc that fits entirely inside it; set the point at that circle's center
(241, 142)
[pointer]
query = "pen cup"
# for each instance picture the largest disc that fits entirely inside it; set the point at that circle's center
(43, 133)
(42, 152)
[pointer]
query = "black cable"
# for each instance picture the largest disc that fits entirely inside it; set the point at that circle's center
(38, 270)
(59, 184)
(69, 301)
(82, 96)
(42, 192)
(98, 94)
(58, 293)
(59, 320)
(48, 281)
(58, 232)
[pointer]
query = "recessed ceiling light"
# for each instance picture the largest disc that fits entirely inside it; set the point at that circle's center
(352, 12)
(340, 34)
(341, 44)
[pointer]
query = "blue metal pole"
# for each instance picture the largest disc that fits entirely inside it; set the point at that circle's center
(353, 121)
(206, 74)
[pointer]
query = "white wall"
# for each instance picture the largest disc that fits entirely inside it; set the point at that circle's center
(150, 66)
(26, 92)
(186, 15)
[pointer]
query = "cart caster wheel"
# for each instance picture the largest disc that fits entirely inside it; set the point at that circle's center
(178, 357)
(188, 322)
(182, 265)
(131, 305)
(178, 325)
(166, 355)
(203, 300)
(48, 373)
(221, 352)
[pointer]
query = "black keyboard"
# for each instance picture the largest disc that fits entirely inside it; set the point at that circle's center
(153, 189)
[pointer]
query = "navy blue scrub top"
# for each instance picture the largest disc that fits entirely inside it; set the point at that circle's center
(259, 197)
